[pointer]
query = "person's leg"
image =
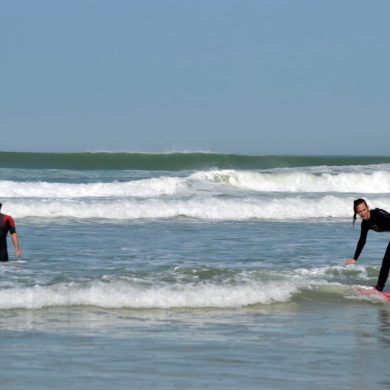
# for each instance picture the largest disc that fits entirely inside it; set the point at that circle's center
(384, 272)
(4, 255)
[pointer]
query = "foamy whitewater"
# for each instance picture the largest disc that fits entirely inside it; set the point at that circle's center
(280, 194)
(224, 275)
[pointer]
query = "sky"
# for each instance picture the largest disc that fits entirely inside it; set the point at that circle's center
(259, 77)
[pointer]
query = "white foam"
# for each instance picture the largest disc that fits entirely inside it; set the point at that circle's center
(287, 181)
(332, 272)
(301, 181)
(208, 208)
(139, 188)
(212, 195)
(121, 294)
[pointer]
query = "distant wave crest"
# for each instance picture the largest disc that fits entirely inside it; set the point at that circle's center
(171, 161)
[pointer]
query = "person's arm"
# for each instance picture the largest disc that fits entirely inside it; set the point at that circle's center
(14, 236)
(360, 244)
(15, 241)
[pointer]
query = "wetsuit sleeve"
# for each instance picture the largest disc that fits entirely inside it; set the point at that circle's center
(10, 223)
(362, 240)
(384, 218)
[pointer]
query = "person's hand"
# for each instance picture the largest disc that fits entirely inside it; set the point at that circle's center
(350, 261)
(18, 253)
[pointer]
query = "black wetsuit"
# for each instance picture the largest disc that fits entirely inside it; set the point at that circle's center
(380, 222)
(7, 224)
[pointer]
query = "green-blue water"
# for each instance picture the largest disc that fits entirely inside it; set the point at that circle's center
(193, 277)
(173, 161)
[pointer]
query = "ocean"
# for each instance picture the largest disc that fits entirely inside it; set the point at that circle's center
(191, 270)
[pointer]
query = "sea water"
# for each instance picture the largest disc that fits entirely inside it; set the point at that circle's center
(219, 272)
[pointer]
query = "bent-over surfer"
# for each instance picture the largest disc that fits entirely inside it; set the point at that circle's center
(7, 224)
(379, 221)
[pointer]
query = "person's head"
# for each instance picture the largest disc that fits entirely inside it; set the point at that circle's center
(0, 206)
(361, 208)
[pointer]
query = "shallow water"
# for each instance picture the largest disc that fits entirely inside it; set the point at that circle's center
(69, 317)
(183, 280)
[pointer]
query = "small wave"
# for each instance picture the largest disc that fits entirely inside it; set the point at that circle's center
(222, 181)
(207, 208)
(301, 181)
(206, 288)
(120, 294)
(153, 187)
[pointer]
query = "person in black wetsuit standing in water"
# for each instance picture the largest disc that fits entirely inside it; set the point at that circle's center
(7, 224)
(379, 221)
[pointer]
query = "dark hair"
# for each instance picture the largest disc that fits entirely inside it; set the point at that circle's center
(0, 205)
(355, 206)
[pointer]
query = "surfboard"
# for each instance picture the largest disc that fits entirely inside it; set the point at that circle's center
(371, 291)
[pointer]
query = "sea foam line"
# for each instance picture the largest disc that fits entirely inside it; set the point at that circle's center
(138, 188)
(205, 208)
(122, 295)
(301, 181)
(287, 181)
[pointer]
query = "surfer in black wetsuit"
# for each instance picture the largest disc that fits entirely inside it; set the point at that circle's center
(7, 224)
(379, 221)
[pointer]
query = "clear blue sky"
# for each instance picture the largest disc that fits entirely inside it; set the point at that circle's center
(242, 76)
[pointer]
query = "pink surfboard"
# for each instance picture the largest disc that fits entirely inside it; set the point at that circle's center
(373, 292)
